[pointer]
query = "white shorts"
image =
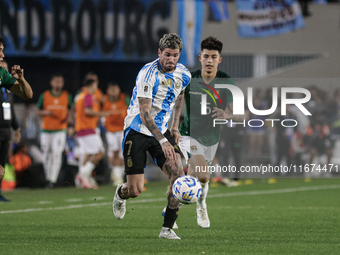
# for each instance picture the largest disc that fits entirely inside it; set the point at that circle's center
(90, 144)
(114, 142)
(53, 142)
(189, 145)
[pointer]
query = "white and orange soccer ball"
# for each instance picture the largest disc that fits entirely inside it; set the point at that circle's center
(187, 189)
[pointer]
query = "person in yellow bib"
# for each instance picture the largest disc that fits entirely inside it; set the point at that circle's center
(53, 107)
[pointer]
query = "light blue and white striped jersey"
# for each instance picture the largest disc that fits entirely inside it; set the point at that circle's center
(162, 88)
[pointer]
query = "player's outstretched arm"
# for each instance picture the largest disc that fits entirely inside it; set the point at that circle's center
(21, 87)
(177, 114)
(144, 109)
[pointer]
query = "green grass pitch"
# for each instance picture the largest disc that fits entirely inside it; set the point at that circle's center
(289, 217)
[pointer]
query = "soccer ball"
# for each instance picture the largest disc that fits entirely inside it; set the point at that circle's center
(187, 189)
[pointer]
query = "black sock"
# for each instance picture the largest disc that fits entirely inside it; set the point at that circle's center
(120, 194)
(170, 217)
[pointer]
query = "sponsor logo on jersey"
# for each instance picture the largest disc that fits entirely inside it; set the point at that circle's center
(167, 82)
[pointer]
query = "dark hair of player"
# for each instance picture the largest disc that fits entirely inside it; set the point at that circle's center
(89, 82)
(113, 83)
(56, 75)
(211, 43)
(172, 41)
(1, 39)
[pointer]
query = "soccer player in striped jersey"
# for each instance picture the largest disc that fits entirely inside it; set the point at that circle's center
(117, 103)
(53, 107)
(159, 89)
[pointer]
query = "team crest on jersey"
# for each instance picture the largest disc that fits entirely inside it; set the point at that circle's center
(193, 148)
(218, 92)
(146, 88)
(56, 101)
(178, 84)
(0, 80)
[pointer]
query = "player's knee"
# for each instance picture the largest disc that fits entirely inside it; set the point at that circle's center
(100, 155)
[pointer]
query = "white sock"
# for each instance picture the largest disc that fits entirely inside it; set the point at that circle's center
(55, 167)
(201, 203)
(118, 172)
(48, 166)
(87, 169)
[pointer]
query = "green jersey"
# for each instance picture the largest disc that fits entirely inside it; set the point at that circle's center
(6, 80)
(196, 125)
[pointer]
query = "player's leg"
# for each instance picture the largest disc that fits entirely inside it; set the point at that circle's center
(115, 155)
(199, 169)
(135, 145)
(58, 146)
(45, 144)
(93, 148)
(131, 189)
(201, 159)
(173, 169)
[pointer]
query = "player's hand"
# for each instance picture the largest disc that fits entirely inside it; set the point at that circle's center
(17, 136)
(169, 151)
(219, 114)
(17, 73)
(2, 172)
(106, 114)
(175, 134)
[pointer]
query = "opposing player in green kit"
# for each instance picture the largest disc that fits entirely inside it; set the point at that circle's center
(14, 82)
(199, 138)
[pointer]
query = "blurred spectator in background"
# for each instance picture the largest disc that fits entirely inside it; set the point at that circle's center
(31, 124)
(298, 147)
(72, 156)
(97, 96)
(229, 152)
(283, 138)
(21, 162)
(256, 133)
(89, 141)
(117, 103)
(7, 121)
(53, 107)
(318, 139)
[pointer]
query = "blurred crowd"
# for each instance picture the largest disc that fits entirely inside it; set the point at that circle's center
(49, 154)
(313, 140)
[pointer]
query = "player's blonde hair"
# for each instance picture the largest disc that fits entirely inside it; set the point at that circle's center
(172, 41)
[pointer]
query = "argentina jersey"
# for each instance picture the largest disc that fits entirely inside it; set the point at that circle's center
(163, 89)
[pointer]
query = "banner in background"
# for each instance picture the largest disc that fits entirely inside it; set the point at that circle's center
(262, 18)
(89, 30)
(190, 27)
(320, 1)
(219, 9)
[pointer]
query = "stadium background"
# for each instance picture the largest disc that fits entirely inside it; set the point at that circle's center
(302, 57)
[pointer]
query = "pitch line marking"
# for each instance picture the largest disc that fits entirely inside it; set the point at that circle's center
(245, 193)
